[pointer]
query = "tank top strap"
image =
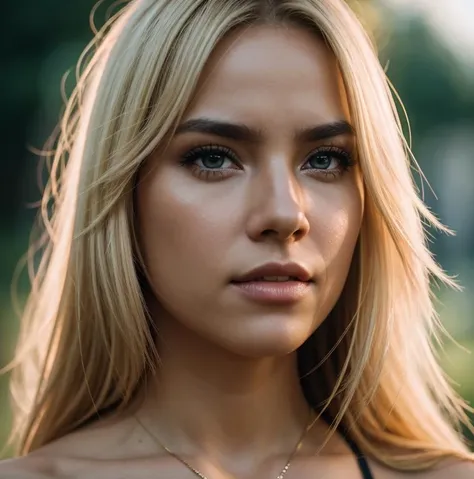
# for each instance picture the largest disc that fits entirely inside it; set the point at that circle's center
(361, 459)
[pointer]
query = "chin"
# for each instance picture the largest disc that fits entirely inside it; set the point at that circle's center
(278, 340)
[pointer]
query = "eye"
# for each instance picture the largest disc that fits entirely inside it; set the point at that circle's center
(210, 157)
(330, 160)
(211, 161)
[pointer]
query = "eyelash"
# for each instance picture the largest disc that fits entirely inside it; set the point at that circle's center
(189, 160)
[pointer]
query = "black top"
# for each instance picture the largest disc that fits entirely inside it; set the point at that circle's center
(361, 459)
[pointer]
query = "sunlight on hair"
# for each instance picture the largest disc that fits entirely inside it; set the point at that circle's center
(86, 342)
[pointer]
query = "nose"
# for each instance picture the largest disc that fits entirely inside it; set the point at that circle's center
(278, 209)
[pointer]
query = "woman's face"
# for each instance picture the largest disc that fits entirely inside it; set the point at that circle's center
(260, 171)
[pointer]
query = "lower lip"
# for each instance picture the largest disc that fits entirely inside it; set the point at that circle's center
(276, 292)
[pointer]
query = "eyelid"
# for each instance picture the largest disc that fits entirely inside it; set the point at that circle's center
(211, 148)
(331, 149)
(344, 155)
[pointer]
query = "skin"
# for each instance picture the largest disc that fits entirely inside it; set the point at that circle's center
(228, 397)
(227, 359)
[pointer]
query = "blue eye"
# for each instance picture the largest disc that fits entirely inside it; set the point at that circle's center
(211, 161)
(321, 160)
(216, 162)
(329, 160)
(210, 157)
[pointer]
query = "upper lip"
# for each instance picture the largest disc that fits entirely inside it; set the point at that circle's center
(276, 269)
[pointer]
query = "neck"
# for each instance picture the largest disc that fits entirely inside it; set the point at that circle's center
(207, 400)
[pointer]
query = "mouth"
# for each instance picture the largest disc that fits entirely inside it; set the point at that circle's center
(272, 279)
(276, 272)
(275, 283)
(275, 292)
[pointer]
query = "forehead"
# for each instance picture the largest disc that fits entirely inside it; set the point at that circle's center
(268, 69)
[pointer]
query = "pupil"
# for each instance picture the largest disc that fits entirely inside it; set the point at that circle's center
(321, 161)
(212, 161)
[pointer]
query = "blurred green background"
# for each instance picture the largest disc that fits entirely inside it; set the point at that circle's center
(428, 48)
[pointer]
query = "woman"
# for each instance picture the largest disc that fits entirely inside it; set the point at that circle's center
(236, 282)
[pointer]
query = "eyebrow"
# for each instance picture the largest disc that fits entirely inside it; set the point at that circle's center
(241, 132)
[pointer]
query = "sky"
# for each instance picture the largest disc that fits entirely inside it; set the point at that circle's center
(453, 19)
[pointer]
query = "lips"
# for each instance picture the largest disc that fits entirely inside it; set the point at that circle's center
(275, 272)
(275, 284)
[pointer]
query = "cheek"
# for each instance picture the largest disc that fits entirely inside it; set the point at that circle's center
(335, 230)
(341, 238)
(182, 236)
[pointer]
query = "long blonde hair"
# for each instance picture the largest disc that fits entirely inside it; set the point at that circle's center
(86, 341)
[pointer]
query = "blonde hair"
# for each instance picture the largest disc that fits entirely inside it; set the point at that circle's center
(86, 341)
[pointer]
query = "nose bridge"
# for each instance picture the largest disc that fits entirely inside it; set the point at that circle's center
(283, 195)
(280, 203)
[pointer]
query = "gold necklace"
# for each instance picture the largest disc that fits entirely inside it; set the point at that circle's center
(312, 420)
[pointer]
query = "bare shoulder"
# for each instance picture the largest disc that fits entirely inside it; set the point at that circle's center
(448, 469)
(26, 468)
(69, 455)
(101, 440)
(452, 469)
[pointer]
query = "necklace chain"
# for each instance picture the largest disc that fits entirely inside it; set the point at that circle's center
(283, 472)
